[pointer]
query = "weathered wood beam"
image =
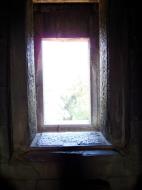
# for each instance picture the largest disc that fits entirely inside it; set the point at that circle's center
(65, 1)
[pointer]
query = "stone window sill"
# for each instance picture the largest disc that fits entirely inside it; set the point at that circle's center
(69, 139)
(56, 146)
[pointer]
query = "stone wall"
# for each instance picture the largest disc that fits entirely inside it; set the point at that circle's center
(121, 171)
(4, 84)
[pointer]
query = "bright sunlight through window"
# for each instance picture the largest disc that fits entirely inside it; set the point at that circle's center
(66, 81)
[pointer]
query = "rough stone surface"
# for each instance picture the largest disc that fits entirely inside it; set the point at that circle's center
(123, 172)
(64, 1)
(70, 139)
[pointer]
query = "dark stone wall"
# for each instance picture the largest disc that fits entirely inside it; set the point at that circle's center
(135, 52)
(118, 172)
(4, 84)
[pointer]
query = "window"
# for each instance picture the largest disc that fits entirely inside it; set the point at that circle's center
(66, 81)
(109, 90)
(67, 66)
(67, 74)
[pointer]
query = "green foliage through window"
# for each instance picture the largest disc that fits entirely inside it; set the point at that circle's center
(75, 103)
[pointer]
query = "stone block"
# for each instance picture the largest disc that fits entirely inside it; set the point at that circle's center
(48, 184)
(3, 106)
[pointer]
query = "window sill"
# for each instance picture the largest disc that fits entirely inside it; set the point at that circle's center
(69, 139)
(44, 149)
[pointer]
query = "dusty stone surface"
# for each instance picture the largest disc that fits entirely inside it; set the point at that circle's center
(70, 139)
(64, 1)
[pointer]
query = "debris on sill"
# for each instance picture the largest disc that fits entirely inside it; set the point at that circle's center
(68, 139)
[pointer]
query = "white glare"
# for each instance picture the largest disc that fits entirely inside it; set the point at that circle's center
(66, 80)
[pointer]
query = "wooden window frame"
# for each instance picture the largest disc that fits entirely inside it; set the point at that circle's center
(89, 29)
(114, 113)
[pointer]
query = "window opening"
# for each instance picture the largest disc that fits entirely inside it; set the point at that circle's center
(67, 71)
(66, 81)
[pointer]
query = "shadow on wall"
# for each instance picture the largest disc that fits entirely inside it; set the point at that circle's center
(139, 183)
(74, 178)
(95, 184)
(6, 184)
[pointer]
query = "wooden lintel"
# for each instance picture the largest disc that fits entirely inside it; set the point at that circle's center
(65, 1)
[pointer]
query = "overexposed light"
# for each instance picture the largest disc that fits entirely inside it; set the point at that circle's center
(66, 80)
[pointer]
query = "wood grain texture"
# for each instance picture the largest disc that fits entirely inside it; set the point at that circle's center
(65, 1)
